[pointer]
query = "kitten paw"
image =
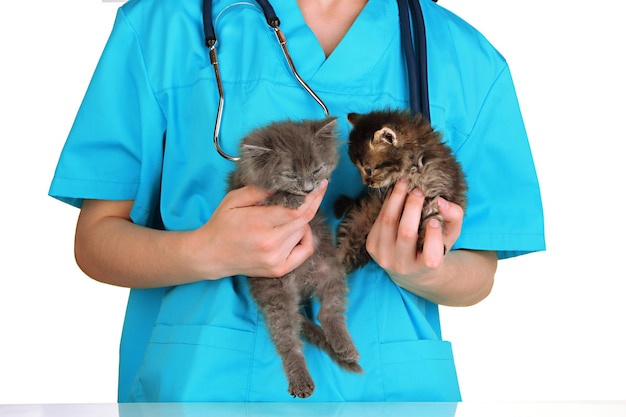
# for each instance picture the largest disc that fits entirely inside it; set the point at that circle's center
(345, 353)
(422, 229)
(282, 198)
(343, 205)
(347, 357)
(353, 260)
(301, 385)
(294, 201)
(351, 366)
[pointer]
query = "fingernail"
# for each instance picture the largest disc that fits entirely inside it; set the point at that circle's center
(443, 204)
(417, 192)
(434, 223)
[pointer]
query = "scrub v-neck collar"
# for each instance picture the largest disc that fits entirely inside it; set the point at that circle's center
(354, 57)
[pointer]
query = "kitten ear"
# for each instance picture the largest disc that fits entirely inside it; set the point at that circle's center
(354, 118)
(326, 127)
(254, 150)
(386, 135)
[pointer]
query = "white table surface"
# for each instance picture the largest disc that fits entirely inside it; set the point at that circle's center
(305, 409)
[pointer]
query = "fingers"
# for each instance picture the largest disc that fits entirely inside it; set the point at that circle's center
(294, 231)
(277, 216)
(384, 230)
(392, 242)
(278, 239)
(433, 250)
(303, 249)
(438, 237)
(293, 219)
(408, 227)
(453, 221)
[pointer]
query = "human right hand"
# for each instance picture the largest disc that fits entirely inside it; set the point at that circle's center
(243, 237)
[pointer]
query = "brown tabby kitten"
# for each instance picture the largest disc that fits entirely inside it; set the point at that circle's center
(291, 159)
(385, 146)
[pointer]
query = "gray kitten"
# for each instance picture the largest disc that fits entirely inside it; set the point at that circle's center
(385, 146)
(291, 159)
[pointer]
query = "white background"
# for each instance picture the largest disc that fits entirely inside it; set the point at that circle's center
(553, 327)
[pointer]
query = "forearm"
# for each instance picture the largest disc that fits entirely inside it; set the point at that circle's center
(113, 250)
(465, 278)
(241, 238)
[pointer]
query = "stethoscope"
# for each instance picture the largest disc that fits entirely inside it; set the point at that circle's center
(413, 38)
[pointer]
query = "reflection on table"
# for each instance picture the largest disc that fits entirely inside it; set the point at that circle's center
(305, 409)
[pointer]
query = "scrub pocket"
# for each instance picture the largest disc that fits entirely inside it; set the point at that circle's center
(419, 370)
(195, 363)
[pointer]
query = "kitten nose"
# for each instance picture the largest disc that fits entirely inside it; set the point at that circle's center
(308, 187)
(368, 172)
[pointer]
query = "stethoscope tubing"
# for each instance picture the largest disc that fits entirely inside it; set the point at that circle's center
(283, 44)
(420, 88)
(413, 38)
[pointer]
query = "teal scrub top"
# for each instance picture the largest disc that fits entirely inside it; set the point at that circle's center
(144, 133)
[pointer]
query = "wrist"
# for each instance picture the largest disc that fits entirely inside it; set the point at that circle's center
(463, 279)
(199, 260)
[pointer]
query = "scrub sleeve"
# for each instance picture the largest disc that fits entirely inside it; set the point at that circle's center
(144, 132)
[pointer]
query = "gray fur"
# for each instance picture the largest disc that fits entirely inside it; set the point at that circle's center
(291, 159)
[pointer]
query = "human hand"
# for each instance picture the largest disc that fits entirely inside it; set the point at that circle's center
(244, 237)
(392, 242)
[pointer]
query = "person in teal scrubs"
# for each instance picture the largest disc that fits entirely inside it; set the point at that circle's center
(155, 216)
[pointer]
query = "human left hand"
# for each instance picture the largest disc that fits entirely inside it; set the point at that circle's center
(392, 242)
